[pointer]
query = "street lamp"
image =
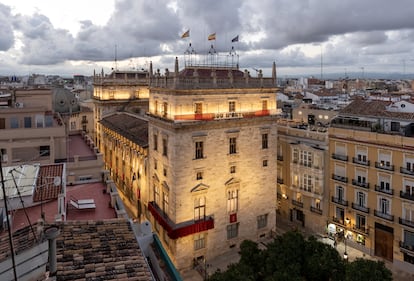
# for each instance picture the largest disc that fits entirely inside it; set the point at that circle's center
(345, 253)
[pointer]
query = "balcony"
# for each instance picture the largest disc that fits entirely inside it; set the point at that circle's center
(361, 228)
(383, 215)
(406, 248)
(407, 195)
(406, 171)
(340, 157)
(297, 203)
(382, 166)
(388, 191)
(279, 180)
(316, 210)
(358, 207)
(360, 162)
(360, 184)
(183, 229)
(338, 220)
(280, 157)
(406, 222)
(339, 178)
(339, 201)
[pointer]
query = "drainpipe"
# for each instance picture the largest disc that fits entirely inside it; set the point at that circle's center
(51, 233)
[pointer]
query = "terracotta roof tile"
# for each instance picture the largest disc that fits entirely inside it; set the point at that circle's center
(45, 185)
(100, 250)
(373, 108)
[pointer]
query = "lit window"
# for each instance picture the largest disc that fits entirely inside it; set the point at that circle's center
(232, 201)
(198, 108)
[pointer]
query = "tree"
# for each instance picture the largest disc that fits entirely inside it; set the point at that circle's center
(367, 270)
(292, 257)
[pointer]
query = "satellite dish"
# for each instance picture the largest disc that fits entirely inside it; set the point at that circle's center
(57, 181)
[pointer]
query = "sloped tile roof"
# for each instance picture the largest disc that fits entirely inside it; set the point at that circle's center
(374, 108)
(49, 182)
(100, 250)
(132, 128)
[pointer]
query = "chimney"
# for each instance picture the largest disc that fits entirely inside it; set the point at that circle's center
(51, 233)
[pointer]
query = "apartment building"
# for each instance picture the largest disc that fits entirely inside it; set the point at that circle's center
(30, 129)
(372, 179)
(303, 165)
(212, 160)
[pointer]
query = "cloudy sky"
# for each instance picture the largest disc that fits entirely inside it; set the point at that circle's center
(359, 36)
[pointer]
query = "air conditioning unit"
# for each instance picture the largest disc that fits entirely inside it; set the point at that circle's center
(19, 105)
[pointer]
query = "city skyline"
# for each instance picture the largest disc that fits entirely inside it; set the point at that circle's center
(310, 37)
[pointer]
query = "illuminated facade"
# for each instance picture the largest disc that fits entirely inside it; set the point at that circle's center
(119, 91)
(372, 180)
(212, 160)
(125, 149)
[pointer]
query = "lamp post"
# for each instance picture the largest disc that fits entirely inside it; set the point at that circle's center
(346, 253)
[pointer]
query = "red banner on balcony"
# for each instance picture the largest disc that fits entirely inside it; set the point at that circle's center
(233, 217)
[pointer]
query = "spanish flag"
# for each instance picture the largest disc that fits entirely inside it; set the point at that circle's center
(186, 34)
(212, 36)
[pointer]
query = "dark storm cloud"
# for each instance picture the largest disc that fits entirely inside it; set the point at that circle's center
(6, 29)
(352, 31)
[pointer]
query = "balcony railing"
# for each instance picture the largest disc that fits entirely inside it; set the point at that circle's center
(361, 228)
(360, 162)
(389, 191)
(297, 203)
(405, 247)
(279, 180)
(360, 184)
(175, 231)
(407, 195)
(360, 208)
(339, 201)
(316, 210)
(406, 171)
(339, 178)
(339, 157)
(383, 215)
(338, 220)
(382, 166)
(406, 222)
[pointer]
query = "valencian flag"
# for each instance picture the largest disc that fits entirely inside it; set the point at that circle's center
(186, 34)
(235, 39)
(212, 36)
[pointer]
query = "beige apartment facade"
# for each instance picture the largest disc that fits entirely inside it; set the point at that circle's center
(372, 181)
(30, 130)
(303, 165)
(212, 161)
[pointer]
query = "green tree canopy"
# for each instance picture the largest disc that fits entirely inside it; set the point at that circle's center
(292, 257)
